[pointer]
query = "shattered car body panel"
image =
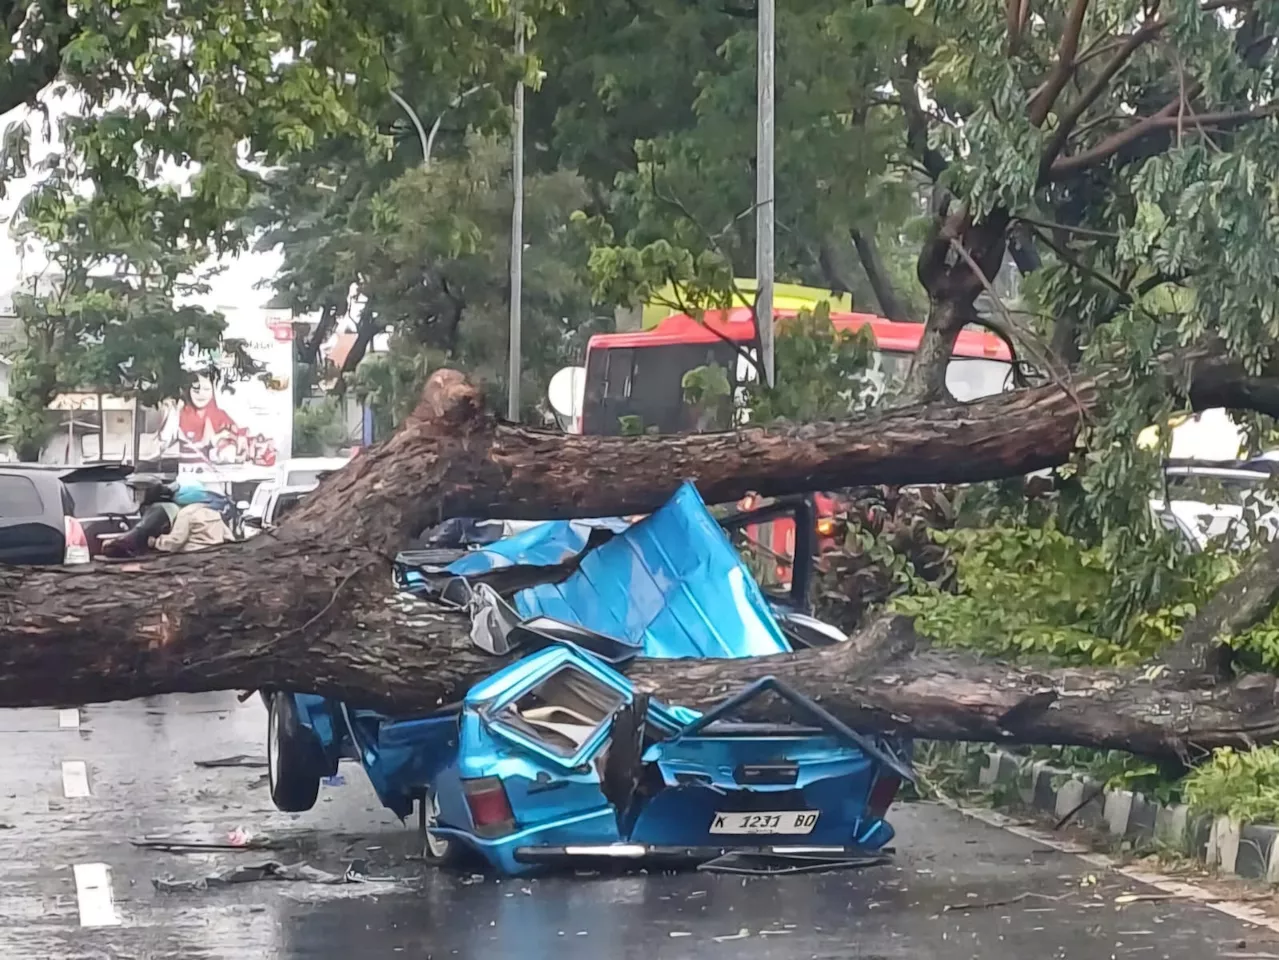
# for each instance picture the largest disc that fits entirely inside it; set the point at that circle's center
(671, 586)
(557, 754)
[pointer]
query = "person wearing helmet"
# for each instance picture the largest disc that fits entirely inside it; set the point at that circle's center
(196, 526)
(158, 512)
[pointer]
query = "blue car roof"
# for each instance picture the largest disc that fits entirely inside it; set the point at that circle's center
(545, 545)
(672, 585)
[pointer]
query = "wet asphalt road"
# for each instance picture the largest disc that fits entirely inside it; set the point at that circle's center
(140, 760)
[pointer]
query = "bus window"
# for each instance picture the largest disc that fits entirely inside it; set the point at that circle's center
(972, 378)
(618, 371)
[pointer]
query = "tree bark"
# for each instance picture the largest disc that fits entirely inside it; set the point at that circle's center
(310, 606)
(892, 306)
(1201, 654)
(953, 285)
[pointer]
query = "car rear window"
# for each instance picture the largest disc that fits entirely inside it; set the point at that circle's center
(101, 498)
(285, 504)
(305, 478)
(19, 498)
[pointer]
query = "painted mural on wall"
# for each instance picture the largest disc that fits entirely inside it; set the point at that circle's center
(227, 425)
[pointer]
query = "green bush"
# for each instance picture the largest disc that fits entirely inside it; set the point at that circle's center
(1244, 786)
(1036, 591)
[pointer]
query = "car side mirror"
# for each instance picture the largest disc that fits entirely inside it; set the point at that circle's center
(242, 505)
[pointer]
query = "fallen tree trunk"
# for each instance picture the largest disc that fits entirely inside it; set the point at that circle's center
(310, 606)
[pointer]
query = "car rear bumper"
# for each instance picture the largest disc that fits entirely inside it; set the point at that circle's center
(786, 857)
(593, 839)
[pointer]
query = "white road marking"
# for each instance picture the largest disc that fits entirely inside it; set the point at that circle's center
(93, 895)
(69, 719)
(75, 779)
(1236, 909)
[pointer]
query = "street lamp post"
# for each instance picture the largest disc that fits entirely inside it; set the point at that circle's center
(417, 125)
(764, 185)
(435, 127)
(425, 139)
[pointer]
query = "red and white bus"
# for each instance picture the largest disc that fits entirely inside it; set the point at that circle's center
(640, 375)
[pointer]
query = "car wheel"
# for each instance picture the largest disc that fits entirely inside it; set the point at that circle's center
(293, 757)
(434, 849)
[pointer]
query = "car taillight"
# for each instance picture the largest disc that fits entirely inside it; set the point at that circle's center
(77, 544)
(491, 813)
(883, 791)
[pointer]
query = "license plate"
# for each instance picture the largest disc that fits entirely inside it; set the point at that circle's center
(767, 822)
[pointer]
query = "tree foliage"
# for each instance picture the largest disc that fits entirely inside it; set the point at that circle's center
(107, 323)
(672, 137)
(436, 271)
(162, 117)
(1121, 152)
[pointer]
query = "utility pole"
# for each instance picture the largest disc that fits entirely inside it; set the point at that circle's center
(764, 185)
(517, 236)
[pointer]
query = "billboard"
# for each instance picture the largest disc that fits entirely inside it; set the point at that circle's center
(228, 427)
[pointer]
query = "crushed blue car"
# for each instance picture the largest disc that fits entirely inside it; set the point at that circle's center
(555, 759)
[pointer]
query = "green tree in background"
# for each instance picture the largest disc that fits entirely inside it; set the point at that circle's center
(438, 276)
(669, 138)
(207, 96)
(108, 319)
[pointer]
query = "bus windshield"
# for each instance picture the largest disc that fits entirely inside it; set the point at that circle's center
(642, 387)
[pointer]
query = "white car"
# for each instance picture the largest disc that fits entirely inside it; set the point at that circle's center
(277, 502)
(1203, 501)
(299, 473)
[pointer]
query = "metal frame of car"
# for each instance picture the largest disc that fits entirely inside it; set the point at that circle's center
(804, 706)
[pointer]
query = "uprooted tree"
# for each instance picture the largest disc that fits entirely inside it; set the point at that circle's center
(1124, 152)
(311, 605)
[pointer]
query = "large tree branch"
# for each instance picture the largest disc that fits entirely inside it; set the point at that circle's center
(1201, 652)
(1109, 146)
(309, 607)
(1122, 51)
(1167, 118)
(891, 305)
(1097, 87)
(1043, 100)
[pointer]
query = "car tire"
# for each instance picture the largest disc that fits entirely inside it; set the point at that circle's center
(293, 757)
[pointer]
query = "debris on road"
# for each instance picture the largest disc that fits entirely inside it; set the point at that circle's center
(760, 864)
(239, 760)
(988, 904)
(270, 870)
(236, 841)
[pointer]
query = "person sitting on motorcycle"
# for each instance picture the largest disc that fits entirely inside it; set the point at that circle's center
(197, 526)
(158, 512)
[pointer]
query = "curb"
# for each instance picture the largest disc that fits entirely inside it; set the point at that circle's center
(1242, 850)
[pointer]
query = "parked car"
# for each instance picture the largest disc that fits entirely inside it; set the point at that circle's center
(1204, 500)
(51, 514)
(298, 473)
(556, 758)
(277, 503)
